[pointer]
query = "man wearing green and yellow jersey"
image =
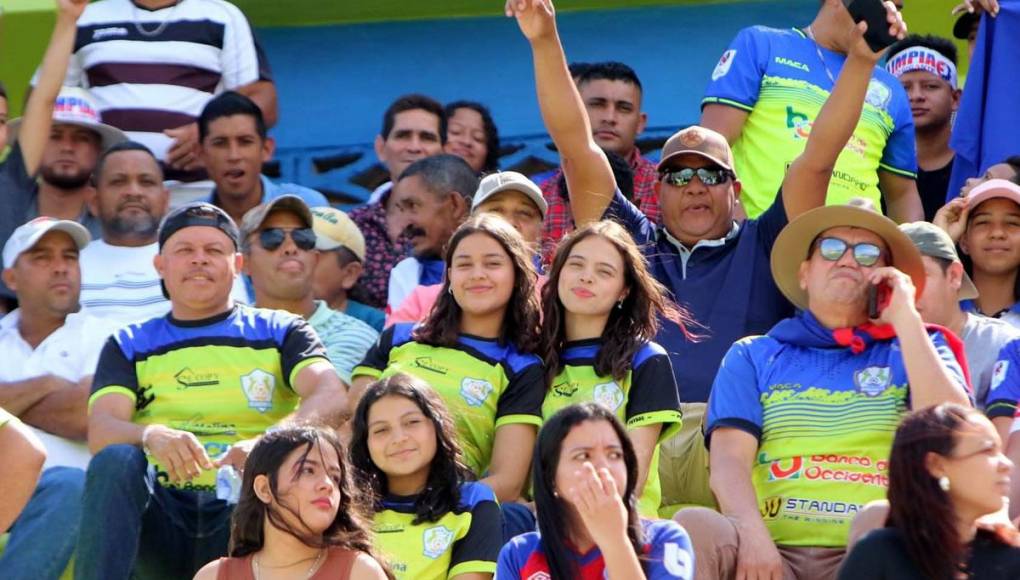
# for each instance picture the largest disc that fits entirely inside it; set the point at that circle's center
(801, 420)
(646, 397)
(766, 93)
(177, 397)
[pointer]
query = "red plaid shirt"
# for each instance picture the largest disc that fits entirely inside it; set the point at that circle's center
(558, 221)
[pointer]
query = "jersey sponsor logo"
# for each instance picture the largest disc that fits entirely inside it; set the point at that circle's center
(771, 507)
(388, 528)
(475, 391)
(427, 363)
(101, 33)
(778, 471)
(878, 95)
(258, 387)
(725, 62)
(999, 373)
(609, 395)
(792, 63)
(676, 560)
(188, 379)
(437, 540)
(873, 381)
(565, 390)
(801, 124)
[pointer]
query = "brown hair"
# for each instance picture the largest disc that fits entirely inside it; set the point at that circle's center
(630, 326)
(521, 318)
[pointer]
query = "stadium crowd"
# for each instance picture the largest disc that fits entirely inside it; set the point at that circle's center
(767, 355)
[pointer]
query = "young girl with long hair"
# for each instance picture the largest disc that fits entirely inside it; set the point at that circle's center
(584, 473)
(297, 516)
(602, 308)
(431, 520)
(946, 472)
(475, 350)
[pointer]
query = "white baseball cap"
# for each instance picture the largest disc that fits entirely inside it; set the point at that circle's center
(501, 181)
(27, 235)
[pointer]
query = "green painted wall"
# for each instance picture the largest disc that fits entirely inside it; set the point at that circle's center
(25, 24)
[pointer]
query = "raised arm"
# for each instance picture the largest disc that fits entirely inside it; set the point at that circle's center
(807, 180)
(38, 118)
(590, 180)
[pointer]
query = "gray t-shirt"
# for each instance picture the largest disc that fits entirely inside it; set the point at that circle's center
(983, 337)
(17, 189)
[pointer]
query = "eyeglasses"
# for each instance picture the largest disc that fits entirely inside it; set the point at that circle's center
(683, 175)
(865, 253)
(272, 238)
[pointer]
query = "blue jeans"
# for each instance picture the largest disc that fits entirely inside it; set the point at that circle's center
(43, 536)
(132, 524)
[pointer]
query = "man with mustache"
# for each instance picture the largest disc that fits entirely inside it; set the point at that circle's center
(119, 281)
(179, 396)
(434, 197)
(280, 257)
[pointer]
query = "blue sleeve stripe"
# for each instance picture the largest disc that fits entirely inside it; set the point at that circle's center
(728, 102)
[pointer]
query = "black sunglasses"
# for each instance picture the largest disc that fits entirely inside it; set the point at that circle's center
(681, 176)
(272, 238)
(865, 253)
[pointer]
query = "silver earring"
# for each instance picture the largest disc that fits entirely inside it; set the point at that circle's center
(450, 290)
(944, 483)
(619, 305)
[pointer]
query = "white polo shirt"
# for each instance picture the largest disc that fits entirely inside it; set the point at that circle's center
(70, 352)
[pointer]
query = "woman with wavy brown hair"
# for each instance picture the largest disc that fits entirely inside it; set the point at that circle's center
(297, 516)
(947, 474)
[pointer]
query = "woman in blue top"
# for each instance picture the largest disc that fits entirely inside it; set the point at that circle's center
(601, 309)
(431, 521)
(584, 472)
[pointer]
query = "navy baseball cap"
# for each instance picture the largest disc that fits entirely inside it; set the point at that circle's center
(198, 213)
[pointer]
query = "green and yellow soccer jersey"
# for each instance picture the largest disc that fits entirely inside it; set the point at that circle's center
(465, 540)
(780, 78)
(484, 384)
(646, 396)
(224, 379)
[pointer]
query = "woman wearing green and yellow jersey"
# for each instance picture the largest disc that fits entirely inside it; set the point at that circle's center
(601, 309)
(475, 349)
(432, 521)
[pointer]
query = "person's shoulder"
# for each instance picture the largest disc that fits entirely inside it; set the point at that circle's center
(988, 328)
(367, 567)
(473, 493)
(400, 333)
(210, 571)
(646, 351)
(658, 531)
(882, 541)
(223, 5)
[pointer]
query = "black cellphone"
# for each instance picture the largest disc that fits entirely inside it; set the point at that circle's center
(872, 12)
(878, 298)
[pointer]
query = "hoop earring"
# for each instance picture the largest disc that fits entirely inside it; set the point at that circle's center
(944, 483)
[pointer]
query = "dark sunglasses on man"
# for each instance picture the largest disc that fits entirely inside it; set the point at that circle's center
(272, 238)
(865, 253)
(681, 176)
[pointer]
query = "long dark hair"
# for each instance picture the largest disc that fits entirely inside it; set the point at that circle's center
(521, 319)
(918, 507)
(629, 327)
(488, 125)
(447, 470)
(552, 510)
(350, 528)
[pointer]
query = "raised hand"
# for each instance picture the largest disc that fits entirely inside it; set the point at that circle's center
(71, 8)
(859, 46)
(183, 154)
(989, 6)
(952, 217)
(901, 307)
(536, 18)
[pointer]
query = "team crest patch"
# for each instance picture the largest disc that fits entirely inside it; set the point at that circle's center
(998, 374)
(258, 387)
(437, 540)
(475, 391)
(724, 64)
(878, 95)
(609, 395)
(872, 381)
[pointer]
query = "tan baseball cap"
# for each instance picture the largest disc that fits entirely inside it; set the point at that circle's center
(931, 241)
(501, 181)
(335, 229)
(699, 141)
(253, 219)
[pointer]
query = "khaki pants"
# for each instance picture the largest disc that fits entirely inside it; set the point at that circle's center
(683, 464)
(716, 544)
